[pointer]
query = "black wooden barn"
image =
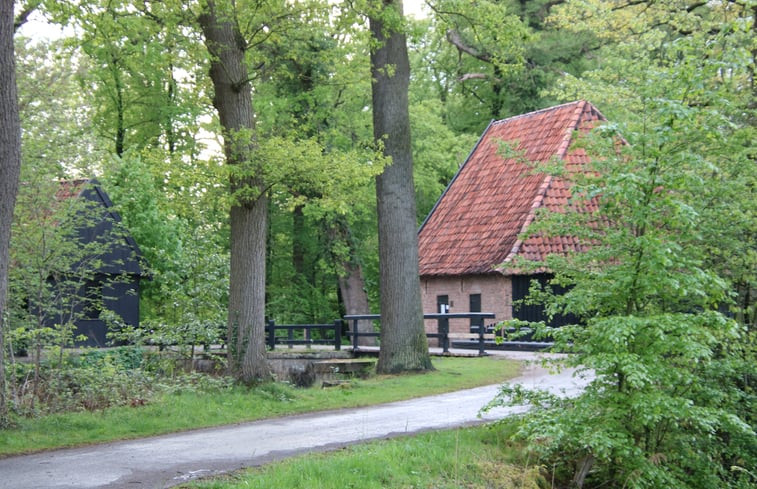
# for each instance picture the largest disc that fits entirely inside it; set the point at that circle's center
(114, 284)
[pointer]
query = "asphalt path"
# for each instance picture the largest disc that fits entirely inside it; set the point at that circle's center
(168, 460)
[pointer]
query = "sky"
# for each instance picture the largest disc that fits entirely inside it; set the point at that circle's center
(416, 8)
(38, 28)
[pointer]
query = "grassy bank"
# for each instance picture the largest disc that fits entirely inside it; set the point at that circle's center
(186, 408)
(471, 458)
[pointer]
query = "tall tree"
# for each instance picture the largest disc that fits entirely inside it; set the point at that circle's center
(232, 99)
(10, 167)
(403, 339)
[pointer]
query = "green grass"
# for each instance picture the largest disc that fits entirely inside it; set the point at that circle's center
(470, 458)
(187, 410)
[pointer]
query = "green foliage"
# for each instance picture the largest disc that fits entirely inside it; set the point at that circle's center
(135, 59)
(672, 403)
(94, 380)
(122, 358)
(438, 153)
(490, 60)
(314, 145)
(184, 245)
(194, 383)
(53, 109)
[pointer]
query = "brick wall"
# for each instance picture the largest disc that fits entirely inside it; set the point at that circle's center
(496, 297)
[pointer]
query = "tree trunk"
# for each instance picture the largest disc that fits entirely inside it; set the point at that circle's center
(10, 167)
(403, 340)
(298, 247)
(249, 212)
(352, 288)
(350, 279)
(120, 140)
(583, 469)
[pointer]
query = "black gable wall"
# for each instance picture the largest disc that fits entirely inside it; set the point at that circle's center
(115, 283)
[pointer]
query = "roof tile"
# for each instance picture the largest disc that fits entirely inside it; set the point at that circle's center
(476, 223)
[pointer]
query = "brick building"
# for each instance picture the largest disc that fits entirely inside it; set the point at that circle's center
(475, 229)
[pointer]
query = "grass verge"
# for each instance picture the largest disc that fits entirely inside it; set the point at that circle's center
(472, 458)
(185, 409)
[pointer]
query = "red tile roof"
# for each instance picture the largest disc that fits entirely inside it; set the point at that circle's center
(70, 188)
(476, 223)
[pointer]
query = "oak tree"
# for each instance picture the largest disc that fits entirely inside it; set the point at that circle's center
(403, 339)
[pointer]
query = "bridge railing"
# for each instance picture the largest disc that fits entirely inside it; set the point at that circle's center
(442, 328)
(307, 337)
(331, 334)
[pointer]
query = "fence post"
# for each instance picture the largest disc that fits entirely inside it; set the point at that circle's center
(338, 334)
(481, 331)
(271, 334)
(354, 335)
(442, 327)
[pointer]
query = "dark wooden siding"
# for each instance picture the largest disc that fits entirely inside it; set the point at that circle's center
(115, 284)
(535, 312)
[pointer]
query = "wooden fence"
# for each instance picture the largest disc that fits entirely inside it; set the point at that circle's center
(331, 334)
(479, 333)
(307, 334)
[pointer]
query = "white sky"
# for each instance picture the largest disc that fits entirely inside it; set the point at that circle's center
(416, 8)
(38, 28)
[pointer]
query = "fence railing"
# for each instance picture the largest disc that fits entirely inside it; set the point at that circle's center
(442, 328)
(331, 334)
(307, 334)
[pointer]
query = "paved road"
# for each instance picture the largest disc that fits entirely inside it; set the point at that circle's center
(164, 461)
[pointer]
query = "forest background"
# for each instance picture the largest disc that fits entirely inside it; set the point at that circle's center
(126, 98)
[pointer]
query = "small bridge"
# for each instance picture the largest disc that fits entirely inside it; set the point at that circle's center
(331, 334)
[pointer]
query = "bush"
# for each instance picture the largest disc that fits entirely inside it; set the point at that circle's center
(123, 357)
(94, 380)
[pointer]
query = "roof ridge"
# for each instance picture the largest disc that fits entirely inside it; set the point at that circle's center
(535, 112)
(561, 153)
(568, 137)
(536, 204)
